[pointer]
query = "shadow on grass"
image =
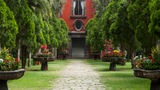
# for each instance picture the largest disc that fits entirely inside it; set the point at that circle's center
(33, 70)
(121, 75)
(123, 69)
(107, 69)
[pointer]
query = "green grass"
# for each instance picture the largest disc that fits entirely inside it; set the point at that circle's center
(34, 79)
(122, 79)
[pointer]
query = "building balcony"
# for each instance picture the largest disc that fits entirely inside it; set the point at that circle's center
(78, 17)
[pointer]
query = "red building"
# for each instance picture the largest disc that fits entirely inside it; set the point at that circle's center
(76, 14)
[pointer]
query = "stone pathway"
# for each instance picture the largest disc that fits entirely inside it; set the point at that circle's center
(78, 76)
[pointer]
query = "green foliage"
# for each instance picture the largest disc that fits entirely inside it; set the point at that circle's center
(39, 28)
(100, 6)
(108, 18)
(46, 32)
(7, 63)
(94, 35)
(154, 26)
(65, 32)
(121, 33)
(131, 25)
(23, 15)
(53, 28)
(149, 65)
(139, 19)
(8, 26)
(58, 33)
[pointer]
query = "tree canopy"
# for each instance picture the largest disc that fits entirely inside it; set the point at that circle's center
(8, 26)
(130, 24)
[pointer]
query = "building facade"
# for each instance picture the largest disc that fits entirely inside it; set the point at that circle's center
(76, 14)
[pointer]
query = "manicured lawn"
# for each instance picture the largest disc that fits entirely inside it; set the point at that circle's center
(34, 79)
(122, 79)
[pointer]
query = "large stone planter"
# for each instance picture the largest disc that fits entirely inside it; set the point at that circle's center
(44, 61)
(9, 75)
(113, 61)
(153, 75)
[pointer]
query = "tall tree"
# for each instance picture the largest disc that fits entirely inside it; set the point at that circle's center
(154, 26)
(139, 19)
(8, 26)
(65, 32)
(94, 36)
(23, 15)
(122, 35)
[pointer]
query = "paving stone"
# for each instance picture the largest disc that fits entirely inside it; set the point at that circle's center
(78, 76)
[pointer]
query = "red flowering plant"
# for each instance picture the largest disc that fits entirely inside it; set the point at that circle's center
(108, 48)
(109, 52)
(152, 62)
(8, 63)
(45, 52)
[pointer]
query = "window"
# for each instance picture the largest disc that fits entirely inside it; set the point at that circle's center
(78, 7)
(78, 25)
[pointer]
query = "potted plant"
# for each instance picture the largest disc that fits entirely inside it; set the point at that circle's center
(108, 49)
(8, 69)
(63, 54)
(112, 56)
(149, 68)
(44, 56)
(116, 57)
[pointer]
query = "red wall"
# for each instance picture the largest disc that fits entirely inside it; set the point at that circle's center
(67, 13)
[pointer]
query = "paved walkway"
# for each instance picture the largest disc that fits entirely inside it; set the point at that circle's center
(78, 76)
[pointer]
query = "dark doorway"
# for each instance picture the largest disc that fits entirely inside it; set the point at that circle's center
(78, 47)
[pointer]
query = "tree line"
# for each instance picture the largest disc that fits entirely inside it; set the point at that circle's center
(25, 25)
(132, 25)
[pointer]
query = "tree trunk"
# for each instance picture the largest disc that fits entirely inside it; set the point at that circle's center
(159, 44)
(55, 53)
(19, 50)
(24, 56)
(0, 47)
(129, 54)
(37, 50)
(29, 60)
(133, 62)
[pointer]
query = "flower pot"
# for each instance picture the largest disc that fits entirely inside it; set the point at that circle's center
(9, 75)
(114, 61)
(44, 61)
(153, 75)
